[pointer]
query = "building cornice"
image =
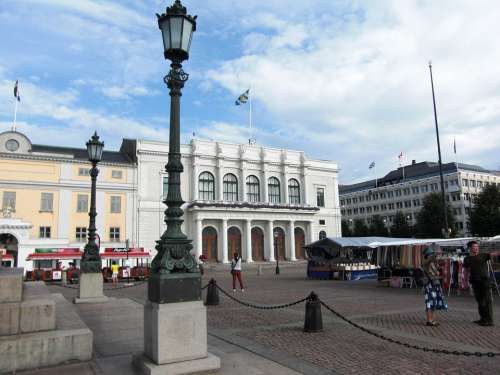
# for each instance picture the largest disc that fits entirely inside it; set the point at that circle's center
(67, 185)
(38, 157)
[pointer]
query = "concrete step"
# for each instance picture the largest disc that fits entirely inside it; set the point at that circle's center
(11, 284)
(71, 340)
(36, 312)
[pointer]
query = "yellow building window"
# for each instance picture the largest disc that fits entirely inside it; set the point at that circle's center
(114, 234)
(46, 203)
(9, 200)
(82, 204)
(116, 204)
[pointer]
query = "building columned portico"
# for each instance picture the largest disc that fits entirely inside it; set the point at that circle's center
(255, 239)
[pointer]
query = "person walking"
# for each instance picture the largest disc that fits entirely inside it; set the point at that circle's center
(432, 288)
(114, 273)
(480, 281)
(236, 271)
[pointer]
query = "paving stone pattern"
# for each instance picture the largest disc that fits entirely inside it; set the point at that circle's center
(341, 348)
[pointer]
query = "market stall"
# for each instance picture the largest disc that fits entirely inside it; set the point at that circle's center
(133, 262)
(49, 264)
(344, 258)
(396, 261)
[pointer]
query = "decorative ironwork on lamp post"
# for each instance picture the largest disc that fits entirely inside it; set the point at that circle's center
(174, 257)
(91, 261)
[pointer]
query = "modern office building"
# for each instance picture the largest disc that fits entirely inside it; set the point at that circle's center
(45, 195)
(263, 203)
(403, 190)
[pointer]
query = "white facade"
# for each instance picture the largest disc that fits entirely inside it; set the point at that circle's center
(404, 192)
(237, 215)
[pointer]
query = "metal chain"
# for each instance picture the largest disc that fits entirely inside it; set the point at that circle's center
(260, 307)
(411, 346)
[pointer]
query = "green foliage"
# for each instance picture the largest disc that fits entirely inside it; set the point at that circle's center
(485, 215)
(346, 231)
(377, 227)
(360, 228)
(430, 218)
(400, 227)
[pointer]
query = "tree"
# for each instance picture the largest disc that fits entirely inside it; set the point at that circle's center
(346, 231)
(360, 228)
(430, 217)
(377, 227)
(400, 227)
(485, 215)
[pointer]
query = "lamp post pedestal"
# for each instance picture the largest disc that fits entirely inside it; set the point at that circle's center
(90, 289)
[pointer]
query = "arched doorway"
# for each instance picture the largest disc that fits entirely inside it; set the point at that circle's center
(233, 242)
(209, 244)
(279, 243)
(10, 244)
(257, 244)
(300, 240)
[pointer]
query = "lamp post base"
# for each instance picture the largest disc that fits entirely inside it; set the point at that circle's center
(175, 340)
(90, 289)
(174, 287)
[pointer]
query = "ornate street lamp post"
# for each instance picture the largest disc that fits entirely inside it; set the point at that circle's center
(90, 289)
(175, 319)
(175, 276)
(91, 261)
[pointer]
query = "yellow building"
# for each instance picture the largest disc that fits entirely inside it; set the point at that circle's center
(45, 197)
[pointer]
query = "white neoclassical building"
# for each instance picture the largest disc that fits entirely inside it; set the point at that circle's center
(263, 203)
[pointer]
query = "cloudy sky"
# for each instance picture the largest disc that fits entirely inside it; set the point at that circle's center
(342, 80)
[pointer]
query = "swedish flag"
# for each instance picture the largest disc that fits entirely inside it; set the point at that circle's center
(243, 98)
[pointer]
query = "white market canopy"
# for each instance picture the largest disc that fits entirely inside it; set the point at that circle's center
(374, 242)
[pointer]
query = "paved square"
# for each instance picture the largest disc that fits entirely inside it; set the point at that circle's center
(397, 313)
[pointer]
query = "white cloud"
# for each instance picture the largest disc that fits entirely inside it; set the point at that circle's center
(360, 91)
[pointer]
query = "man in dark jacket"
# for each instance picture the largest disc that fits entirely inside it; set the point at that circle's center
(480, 281)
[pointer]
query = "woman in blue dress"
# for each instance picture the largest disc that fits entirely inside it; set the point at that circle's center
(433, 292)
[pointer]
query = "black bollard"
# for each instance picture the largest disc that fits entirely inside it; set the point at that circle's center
(212, 298)
(277, 267)
(313, 321)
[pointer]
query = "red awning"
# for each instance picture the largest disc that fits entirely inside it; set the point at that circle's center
(123, 255)
(7, 257)
(63, 255)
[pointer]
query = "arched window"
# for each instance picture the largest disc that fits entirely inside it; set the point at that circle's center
(293, 191)
(206, 188)
(253, 189)
(322, 235)
(274, 190)
(230, 183)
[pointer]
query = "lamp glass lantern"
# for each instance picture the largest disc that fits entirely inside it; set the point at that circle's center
(94, 149)
(177, 31)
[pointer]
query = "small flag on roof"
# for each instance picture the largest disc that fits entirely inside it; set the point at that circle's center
(243, 98)
(16, 91)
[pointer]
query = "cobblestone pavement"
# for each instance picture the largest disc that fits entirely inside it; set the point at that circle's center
(341, 348)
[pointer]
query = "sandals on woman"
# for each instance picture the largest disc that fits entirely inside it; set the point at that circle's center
(432, 324)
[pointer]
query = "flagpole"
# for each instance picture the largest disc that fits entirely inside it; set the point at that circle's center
(15, 115)
(250, 114)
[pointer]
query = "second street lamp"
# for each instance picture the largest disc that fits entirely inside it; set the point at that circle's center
(90, 289)
(91, 261)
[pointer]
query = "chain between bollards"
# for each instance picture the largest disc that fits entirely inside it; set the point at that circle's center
(407, 345)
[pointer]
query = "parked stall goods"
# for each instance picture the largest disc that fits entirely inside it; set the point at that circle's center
(395, 260)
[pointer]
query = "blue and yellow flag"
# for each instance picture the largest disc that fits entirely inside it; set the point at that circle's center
(243, 98)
